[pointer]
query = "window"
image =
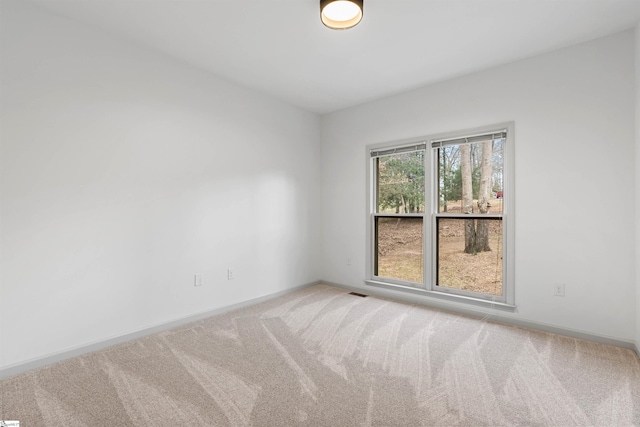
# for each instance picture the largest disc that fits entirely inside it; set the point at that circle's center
(399, 214)
(441, 216)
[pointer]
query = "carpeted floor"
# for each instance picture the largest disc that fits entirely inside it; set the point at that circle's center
(322, 357)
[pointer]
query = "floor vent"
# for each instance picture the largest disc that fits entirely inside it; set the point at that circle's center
(357, 294)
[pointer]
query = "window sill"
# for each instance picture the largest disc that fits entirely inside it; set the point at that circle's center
(478, 302)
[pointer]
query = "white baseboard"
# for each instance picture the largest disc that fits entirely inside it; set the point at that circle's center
(494, 317)
(18, 368)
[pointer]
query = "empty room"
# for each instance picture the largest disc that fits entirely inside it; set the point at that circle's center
(319, 212)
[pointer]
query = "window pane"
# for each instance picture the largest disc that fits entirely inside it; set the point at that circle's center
(400, 183)
(399, 249)
(470, 255)
(470, 178)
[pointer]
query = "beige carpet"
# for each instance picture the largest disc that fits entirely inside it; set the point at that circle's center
(322, 357)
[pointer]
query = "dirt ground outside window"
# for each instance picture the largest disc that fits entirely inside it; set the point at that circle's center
(400, 255)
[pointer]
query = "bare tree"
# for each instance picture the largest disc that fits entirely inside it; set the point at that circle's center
(482, 226)
(467, 198)
(476, 232)
(448, 159)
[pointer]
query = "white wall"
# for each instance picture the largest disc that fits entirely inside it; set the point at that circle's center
(124, 174)
(637, 192)
(574, 134)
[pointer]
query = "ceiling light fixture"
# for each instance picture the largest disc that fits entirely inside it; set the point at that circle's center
(341, 14)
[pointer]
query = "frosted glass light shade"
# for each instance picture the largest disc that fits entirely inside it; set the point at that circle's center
(341, 14)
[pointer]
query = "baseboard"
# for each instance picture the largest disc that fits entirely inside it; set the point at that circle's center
(22, 367)
(494, 317)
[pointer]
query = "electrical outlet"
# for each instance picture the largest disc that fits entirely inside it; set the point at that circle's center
(230, 275)
(559, 289)
(197, 280)
(348, 261)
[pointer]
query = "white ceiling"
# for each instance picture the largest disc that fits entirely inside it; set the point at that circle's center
(281, 48)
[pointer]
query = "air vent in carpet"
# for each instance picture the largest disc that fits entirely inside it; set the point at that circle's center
(357, 294)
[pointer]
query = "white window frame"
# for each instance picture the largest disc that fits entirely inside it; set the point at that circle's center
(504, 302)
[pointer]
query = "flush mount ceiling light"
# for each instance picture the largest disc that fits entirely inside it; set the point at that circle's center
(341, 14)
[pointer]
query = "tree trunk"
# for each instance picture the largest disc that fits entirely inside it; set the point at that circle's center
(482, 227)
(467, 199)
(445, 177)
(470, 236)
